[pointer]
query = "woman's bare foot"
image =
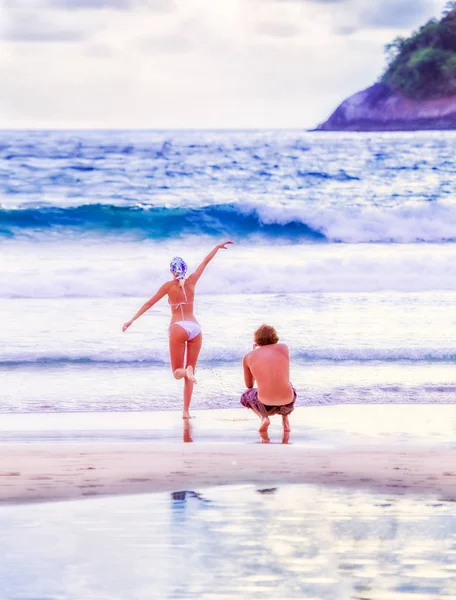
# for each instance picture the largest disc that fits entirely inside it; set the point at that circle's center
(186, 415)
(265, 422)
(189, 374)
(286, 424)
(179, 373)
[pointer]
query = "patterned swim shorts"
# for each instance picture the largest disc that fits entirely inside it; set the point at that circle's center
(249, 399)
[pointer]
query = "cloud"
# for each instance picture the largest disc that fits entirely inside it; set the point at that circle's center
(80, 20)
(81, 5)
(172, 43)
(312, 1)
(345, 29)
(396, 14)
(99, 51)
(277, 29)
(34, 28)
(348, 15)
(87, 4)
(35, 21)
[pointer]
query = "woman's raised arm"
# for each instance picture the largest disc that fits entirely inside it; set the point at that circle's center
(199, 271)
(145, 307)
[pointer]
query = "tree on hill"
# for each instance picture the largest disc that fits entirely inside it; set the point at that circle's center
(449, 6)
(423, 65)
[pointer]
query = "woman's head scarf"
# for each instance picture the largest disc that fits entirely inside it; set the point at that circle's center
(178, 268)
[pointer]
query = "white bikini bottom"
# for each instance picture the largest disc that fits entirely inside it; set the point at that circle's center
(192, 328)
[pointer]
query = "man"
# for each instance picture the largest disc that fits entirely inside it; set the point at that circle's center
(268, 364)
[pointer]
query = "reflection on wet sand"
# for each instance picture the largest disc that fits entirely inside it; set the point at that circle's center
(184, 494)
(187, 431)
(265, 439)
(306, 542)
(249, 542)
(264, 435)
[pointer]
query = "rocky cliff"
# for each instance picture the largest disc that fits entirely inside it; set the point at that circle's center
(380, 108)
(418, 88)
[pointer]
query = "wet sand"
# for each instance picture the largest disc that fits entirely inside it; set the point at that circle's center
(43, 472)
(392, 449)
(240, 542)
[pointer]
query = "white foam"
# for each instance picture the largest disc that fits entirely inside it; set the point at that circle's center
(214, 355)
(408, 222)
(94, 269)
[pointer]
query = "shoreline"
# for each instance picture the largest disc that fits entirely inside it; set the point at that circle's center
(329, 426)
(391, 449)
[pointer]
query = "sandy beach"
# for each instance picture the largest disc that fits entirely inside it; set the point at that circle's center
(357, 503)
(379, 451)
(43, 472)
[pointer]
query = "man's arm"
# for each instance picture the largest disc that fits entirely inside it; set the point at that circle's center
(248, 377)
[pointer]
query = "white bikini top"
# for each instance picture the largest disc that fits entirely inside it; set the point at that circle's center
(180, 304)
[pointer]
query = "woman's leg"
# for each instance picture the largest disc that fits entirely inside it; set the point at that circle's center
(193, 350)
(177, 338)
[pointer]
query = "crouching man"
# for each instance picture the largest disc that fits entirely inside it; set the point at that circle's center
(268, 364)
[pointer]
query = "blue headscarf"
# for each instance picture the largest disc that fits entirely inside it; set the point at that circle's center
(178, 268)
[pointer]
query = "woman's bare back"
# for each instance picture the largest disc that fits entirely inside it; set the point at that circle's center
(181, 300)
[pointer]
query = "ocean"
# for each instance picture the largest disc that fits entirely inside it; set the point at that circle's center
(345, 242)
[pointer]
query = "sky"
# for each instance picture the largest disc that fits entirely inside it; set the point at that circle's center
(192, 63)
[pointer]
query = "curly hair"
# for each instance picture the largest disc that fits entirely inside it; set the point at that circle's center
(265, 335)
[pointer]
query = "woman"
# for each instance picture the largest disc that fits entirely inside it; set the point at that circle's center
(185, 336)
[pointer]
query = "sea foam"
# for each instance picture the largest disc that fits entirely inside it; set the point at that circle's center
(97, 269)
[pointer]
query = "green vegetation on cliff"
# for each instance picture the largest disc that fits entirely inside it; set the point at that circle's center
(423, 66)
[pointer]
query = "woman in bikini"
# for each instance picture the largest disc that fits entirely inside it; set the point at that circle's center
(185, 337)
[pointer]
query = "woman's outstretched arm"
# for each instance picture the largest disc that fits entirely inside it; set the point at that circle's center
(199, 271)
(145, 307)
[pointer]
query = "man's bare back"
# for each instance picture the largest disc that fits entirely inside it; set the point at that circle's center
(269, 367)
